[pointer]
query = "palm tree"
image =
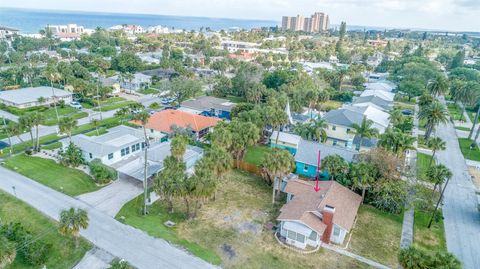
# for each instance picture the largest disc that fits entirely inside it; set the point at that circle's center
(244, 134)
(363, 176)
(436, 144)
(66, 125)
(26, 122)
(437, 175)
(277, 163)
(335, 165)
(440, 175)
(178, 146)
(37, 120)
(276, 118)
(221, 160)
(95, 123)
(52, 74)
(319, 127)
(167, 182)
(438, 86)
(433, 115)
(365, 129)
(71, 221)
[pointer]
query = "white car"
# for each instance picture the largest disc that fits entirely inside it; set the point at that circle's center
(76, 105)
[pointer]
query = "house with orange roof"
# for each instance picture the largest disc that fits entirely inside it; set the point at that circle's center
(169, 120)
(310, 217)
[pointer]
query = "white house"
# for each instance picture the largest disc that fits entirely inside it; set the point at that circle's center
(34, 96)
(310, 217)
(123, 147)
(385, 95)
(138, 82)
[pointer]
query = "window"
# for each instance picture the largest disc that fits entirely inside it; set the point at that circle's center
(137, 146)
(291, 235)
(143, 145)
(313, 236)
(133, 148)
(348, 130)
(336, 231)
(151, 131)
(334, 127)
(90, 155)
(346, 144)
(110, 156)
(300, 238)
(127, 150)
(335, 142)
(122, 152)
(305, 168)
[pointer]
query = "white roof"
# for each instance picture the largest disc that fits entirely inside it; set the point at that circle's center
(31, 94)
(380, 86)
(286, 137)
(297, 227)
(380, 118)
(385, 95)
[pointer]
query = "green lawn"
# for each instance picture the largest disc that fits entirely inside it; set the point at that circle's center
(462, 128)
(51, 117)
(101, 130)
(455, 112)
(217, 230)
(108, 123)
(376, 235)
(54, 145)
(331, 105)
(254, 154)
(113, 106)
(423, 161)
(468, 153)
(402, 105)
(433, 238)
(62, 254)
(148, 91)
(67, 180)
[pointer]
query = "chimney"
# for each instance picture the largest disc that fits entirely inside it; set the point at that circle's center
(328, 212)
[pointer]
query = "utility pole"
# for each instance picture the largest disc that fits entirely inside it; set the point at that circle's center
(8, 135)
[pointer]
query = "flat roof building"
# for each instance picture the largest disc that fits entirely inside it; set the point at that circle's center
(31, 96)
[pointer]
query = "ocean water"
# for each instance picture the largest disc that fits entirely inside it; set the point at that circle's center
(32, 20)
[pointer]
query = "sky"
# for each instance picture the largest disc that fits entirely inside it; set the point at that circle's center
(452, 15)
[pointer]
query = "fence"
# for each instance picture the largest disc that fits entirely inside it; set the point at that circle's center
(248, 167)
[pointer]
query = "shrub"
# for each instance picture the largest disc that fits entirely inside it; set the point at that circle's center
(7, 252)
(72, 156)
(418, 258)
(32, 250)
(101, 173)
(119, 264)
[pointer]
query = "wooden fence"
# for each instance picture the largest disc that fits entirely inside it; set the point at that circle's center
(248, 167)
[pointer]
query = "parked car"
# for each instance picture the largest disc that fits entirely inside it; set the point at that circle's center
(76, 105)
(407, 112)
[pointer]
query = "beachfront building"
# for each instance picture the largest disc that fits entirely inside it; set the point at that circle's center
(67, 32)
(7, 33)
(34, 96)
(310, 218)
(318, 22)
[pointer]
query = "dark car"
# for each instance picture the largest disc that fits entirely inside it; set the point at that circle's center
(407, 112)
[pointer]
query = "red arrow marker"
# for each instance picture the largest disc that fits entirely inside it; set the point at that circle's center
(318, 173)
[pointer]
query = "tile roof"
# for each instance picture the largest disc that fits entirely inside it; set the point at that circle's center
(307, 205)
(163, 121)
(307, 152)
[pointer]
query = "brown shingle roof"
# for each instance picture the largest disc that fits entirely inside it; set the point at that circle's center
(331, 193)
(163, 121)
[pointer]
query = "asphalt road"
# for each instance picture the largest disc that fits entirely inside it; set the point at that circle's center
(133, 245)
(462, 219)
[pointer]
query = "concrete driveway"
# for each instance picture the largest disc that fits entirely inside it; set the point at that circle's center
(110, 199)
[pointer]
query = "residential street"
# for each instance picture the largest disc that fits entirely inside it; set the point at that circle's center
(462, 219)
(46, 130)
(133, 245)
